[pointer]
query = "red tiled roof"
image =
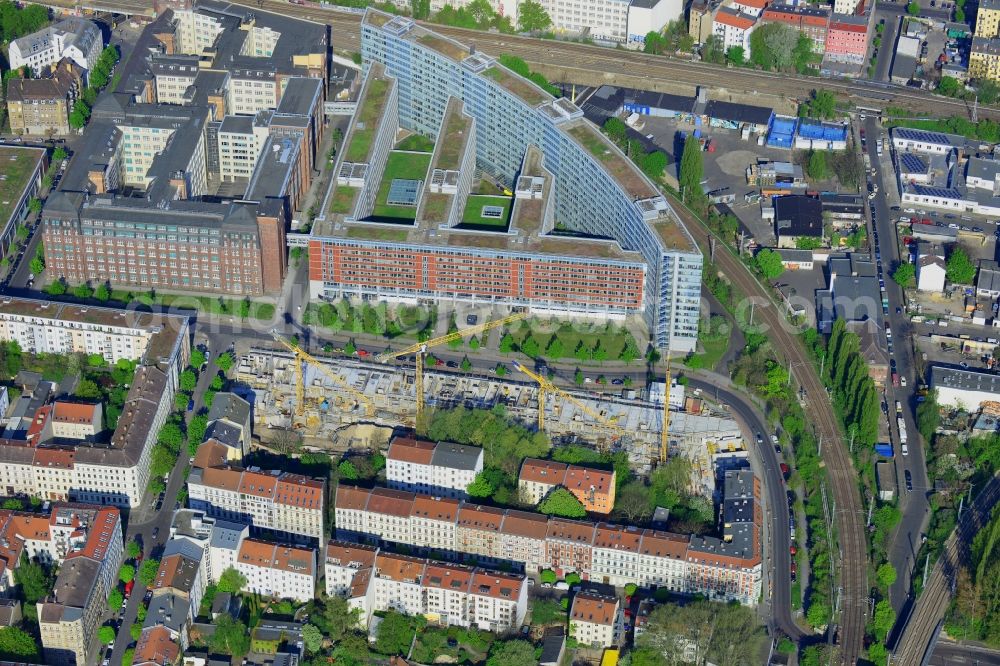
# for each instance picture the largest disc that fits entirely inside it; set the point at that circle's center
(736, 20)
(593, 608)
(407, 449)
(542, 471)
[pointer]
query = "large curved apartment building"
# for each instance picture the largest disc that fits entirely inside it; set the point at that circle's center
(521, 202)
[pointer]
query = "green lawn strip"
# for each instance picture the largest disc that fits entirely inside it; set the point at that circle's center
(416, 143)
(223, 306)
(376, 233)
(343, 199)
(612, 340)
(474, 207)
(404, 166)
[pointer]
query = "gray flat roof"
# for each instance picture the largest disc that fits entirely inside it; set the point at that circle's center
(964, 380)
(457, 456)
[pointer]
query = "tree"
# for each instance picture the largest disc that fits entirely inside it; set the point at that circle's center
(691, 170)
(561, 502)
(395, 634)
(886, 575)
(532, 17)
(616, 129)
(33, 578)
(904, 274)
(17, 644)
(506, 343)
(106, 635)
(530, 347)
(555, 348)
(128, 656)
(217, 383)
(35, 206)
(132, 550)
(87, 390)
(102, 293)
(913, 9)
(949, 86)
(883, 620)
(147, 571)
(197, 358)
(82, 291)
(736, 56)
(960, 268)
(225, 360)
(634, 502)
(466, 364)
(712, 50)
(312, 638)
(230, 637)
(135, 631)
(126, 573)
(480, 487)
(231, 581)
(989, 91)
(822, 104)
(769, 263)
(339, 618)
(115, 600)
(512, 653)
(548, 576)
(197, 428)
(347, 470)
(77, 119)
(816, 166)
(188, 380)
(722, 633)
(578, 377)
(773, 46)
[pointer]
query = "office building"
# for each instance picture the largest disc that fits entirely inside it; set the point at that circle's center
(444, 469)
(620, 249)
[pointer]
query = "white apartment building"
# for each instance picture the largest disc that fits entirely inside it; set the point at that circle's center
(42, 327)
(605, 20)
(281, 502)
(445, 594)
(596, 620)
(278, 570)
(433, 522)
(752, 8)
(75, 420)
(444, 468)
(172, 76)
(251, 91)
(72, 38)
(734, 28)
(195, 31)
(343, 561)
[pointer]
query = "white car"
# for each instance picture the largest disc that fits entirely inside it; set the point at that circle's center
(902, 380)
(905, 449)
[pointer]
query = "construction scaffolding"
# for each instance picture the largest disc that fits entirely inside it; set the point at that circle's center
(330, 406)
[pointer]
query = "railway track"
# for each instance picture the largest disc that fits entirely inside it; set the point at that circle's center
(915, 639)
(848, 514)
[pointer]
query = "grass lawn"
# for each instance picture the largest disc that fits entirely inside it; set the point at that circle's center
(571, 336)
(343, 199)
(16, 166)
(375, 233)
(367, 120)
(406, 166)
(473, 213)
(487, 186)
(417, 143)
(470, 645)
(714, 347)
(436, 207)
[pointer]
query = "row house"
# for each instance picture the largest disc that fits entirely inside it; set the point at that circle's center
(444, 468)
(444, 593)
(279, 570)
(727, 568)
(595, 488)
(288, 504)
(811, 21)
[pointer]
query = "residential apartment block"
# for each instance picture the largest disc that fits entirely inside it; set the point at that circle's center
(444, 468)
(270, 501)
(274, 569)
(595, 488)
(89, 548)
(444, 593)
(984, 58)
(733, 28)
(556, 164)
(847, 39)
(57, 457)
(41, 107)
(73, 38)
(727, 568)
(596, 620)
(988, 19)
(218, 141)
(811, 21)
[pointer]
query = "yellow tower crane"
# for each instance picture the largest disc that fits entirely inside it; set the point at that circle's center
(303, 357)
(545, 386)
(421, 348)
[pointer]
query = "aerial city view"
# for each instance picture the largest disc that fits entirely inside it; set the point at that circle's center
(486, 333)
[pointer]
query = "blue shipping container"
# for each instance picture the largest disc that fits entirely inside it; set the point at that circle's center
(884, 450)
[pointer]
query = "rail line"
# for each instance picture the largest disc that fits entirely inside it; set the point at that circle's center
(917, 636)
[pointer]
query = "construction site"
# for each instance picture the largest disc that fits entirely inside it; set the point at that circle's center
(328, 401)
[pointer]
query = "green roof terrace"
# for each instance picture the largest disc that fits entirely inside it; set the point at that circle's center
(531, 94)
(613, 160)
(369, 114)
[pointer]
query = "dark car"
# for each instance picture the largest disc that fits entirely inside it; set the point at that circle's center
(785, 470)
(471, 320)
(909, 480)
(452, 364)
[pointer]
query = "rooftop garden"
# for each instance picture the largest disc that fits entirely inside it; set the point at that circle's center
(417, 143)
(488, 211)
(614, 162)
(367, 119)
(16, 165)
(343, 199)
(445, 47)
(436, 207)
(400, 166)
(363, 232)
(453, 137)
(516, 85)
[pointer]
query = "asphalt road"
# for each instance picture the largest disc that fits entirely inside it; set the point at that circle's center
(915, 509)
(777, 549)
(883, 63)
